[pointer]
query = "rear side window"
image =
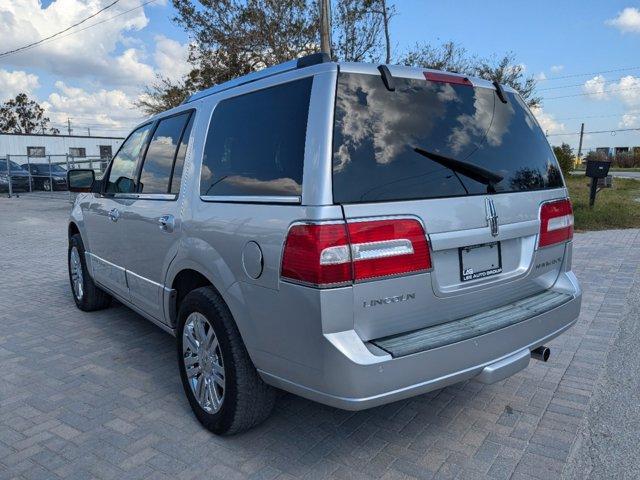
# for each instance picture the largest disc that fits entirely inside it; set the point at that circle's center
(255, 144)
(182, 152)
(377, 132)
(155, 176)
(125, 163)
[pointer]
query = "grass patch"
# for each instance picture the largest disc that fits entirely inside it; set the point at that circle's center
(615, 207)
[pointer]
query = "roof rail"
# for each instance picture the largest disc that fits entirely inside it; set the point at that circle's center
(302, 62)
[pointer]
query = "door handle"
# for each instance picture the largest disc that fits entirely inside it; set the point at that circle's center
(114, 214)
(167, 223)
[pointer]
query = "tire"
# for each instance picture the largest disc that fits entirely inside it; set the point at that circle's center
(46, 185)
(90, 297)
(246, 400)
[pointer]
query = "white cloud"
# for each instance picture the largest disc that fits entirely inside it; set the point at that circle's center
(15, 82)
(630, 120)
(547, 121)
(556, 68)
(89, 52)
(628, 90)
(137, 72)
(109, 109)
(540, 76)
(171, 57)
(595, 88)
(627, 21)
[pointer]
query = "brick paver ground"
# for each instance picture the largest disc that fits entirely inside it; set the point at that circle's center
(97, 395)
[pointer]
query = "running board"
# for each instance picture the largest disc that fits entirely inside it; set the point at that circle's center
(472, 326)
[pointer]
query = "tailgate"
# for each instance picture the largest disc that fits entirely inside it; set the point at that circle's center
(389, 306)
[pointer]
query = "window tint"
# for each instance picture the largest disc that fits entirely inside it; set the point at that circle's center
(182, 152)
(376, 132)
(158, 162)
(124, 165)
(255, 144)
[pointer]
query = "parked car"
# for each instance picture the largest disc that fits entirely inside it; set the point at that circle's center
(353, 234)
(42, 177)
(19, 177)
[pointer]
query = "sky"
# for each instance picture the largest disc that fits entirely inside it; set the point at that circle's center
(584, 54)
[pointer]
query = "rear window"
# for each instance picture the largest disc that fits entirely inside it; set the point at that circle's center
(377, 132)
(255, 144)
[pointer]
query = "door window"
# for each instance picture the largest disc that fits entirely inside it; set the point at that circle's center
(179, 163)
(255, 144)
(155, 176)
(123, 168)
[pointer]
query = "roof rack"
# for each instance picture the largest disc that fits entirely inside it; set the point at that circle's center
(302, 62)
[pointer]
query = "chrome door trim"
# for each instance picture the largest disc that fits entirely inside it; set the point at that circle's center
(251, 199)
(145, 279)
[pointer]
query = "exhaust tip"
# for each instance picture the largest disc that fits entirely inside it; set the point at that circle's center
(541, 353)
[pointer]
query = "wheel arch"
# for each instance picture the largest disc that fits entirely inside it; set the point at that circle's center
(73, 229)
(189, 278)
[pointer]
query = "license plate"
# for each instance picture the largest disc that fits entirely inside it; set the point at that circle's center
(480, 261)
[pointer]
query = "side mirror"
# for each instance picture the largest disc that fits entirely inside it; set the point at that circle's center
(80, 180)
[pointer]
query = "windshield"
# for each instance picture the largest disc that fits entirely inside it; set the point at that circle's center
(14, 166)
(380, 138)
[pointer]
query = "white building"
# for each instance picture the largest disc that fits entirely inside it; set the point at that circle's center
(38, 146)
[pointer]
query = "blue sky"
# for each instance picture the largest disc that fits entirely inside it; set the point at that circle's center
(94, 76)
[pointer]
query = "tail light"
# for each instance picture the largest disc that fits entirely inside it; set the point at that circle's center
(447, 78)
(556, 222)
(328, 255)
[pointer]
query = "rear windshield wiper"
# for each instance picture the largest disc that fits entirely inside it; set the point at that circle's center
(479, 174)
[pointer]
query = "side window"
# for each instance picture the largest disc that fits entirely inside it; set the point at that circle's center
(182, 152)
(123, 168)
(155, 176)
(255, 144)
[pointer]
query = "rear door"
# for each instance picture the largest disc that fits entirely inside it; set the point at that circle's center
(151, 220)
(104, 229)
(472, 169)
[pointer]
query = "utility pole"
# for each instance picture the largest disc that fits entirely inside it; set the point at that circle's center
(385, 19)
(580, 144)
(88, 132)
(325, 26)
(69, 126)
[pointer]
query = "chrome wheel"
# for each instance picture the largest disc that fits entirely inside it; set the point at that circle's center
(75, 268)
(46, 185)
(202, 359)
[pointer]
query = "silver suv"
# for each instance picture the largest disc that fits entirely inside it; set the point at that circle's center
(350, 233)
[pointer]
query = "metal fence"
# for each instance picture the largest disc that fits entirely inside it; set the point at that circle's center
(9, 178)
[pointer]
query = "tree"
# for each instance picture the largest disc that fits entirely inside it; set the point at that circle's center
(231, 38)
(452, 57)
(234, 37)
(506, 71)
(449, 56)
(23, 115)
(564, 154)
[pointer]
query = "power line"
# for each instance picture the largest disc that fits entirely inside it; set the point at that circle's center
(577, 84)
(615, 130)
(142, 5)
(593, 93)
(624, 69)
(30, 45)
(621, 114)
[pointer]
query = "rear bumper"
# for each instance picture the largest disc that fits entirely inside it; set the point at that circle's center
(356, 376)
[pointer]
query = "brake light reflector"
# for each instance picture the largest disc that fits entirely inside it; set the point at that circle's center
(556, 222)
(447, 78)
(340, 253)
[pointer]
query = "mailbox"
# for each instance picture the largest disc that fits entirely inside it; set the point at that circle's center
(597, 168)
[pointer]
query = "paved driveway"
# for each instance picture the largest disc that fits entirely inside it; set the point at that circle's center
(97, 395)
